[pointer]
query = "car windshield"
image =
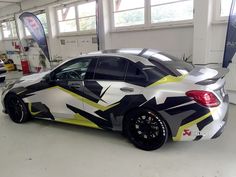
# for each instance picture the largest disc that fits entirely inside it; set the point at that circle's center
(172, 65)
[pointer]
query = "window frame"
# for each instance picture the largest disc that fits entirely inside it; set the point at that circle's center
(148, 25)
(141, 70)
(73, 61)
(81, 3)
(217, 13)
(92, 68)
(77, 32)
(112, 12)
(109, 56)
(12, 37)
(171, 22)
(57, 20)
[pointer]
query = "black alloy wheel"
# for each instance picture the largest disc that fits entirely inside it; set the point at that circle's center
(145, 129)
(16, 109)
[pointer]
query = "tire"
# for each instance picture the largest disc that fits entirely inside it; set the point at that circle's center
(145, 129)
(17, 109)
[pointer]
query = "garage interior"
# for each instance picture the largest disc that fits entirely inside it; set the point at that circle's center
(192, 30)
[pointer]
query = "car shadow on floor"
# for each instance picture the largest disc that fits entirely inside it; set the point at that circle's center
(116, 137)
(81, 130)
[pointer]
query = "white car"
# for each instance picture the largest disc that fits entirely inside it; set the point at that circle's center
(144, 93)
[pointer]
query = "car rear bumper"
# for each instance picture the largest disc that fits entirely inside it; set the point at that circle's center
(225, 120)
(211, 125)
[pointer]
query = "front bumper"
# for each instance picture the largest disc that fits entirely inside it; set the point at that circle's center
(3, 103)
(5, 90)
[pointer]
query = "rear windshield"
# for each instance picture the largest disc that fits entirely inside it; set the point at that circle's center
(170, 64)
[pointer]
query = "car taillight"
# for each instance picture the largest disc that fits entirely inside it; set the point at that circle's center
(204, 98)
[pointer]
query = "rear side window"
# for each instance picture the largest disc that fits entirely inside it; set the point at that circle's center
(170, 64)
(134, 75)
(110, 68)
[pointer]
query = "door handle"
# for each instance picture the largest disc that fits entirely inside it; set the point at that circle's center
(126, 89)
(74, 85)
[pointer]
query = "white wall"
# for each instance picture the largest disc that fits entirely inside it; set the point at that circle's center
(9, 10)
(174, 40)
(75, 45)
(218, 36)
(203, 39)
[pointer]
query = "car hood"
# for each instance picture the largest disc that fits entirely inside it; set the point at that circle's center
(34, 76)
(31, 79)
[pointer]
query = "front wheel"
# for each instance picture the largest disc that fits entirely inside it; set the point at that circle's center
(145, 129)
(16, 109)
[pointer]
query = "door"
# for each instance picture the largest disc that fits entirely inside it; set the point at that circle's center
(67, 92)
(109, 93)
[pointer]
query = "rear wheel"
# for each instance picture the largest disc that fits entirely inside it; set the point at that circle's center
(16, 109)
(145, 129)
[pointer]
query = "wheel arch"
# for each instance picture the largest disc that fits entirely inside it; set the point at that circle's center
(5, 99)
(150, 109)
(11, 93)
(25, 115)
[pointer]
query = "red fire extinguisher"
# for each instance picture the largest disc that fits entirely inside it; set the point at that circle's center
(25, 66)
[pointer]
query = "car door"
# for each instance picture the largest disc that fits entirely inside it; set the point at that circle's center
(67, 91)
(108, 90)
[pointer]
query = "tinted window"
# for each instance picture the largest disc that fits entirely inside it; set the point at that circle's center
(135, 75)
(172, 65)
(110, 68)
(73, 70)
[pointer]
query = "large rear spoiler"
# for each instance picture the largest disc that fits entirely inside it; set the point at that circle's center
(221, 74)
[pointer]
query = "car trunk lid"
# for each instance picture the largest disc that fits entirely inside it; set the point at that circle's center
(213, 79)
(221, 72)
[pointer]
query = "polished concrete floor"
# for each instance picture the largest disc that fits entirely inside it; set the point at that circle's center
(47, 149)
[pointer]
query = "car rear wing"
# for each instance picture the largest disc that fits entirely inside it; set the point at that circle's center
(221, 74)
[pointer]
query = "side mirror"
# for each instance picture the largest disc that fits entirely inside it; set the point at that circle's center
(47, 78)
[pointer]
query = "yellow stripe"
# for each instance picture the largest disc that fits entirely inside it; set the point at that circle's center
(78, 120)
(168, 79)
(87, 101)
(30, 110)
(190, 124)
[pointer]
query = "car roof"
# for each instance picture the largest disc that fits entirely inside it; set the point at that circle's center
(134, 54)
(142, 52)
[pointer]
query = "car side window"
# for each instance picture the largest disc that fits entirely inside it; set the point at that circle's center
(110, 68)
(73, 70)
(135, 75)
